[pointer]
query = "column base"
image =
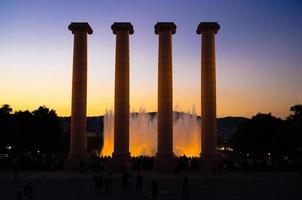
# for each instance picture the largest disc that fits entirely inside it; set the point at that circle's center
(74, 162)
(209, 163)
(120, 162)
(164, 162)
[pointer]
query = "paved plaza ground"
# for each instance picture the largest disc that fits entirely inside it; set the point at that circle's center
(229, 185)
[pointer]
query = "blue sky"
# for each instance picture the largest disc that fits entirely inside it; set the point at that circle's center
(258, 53)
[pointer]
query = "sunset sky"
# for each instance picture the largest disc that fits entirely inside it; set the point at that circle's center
(258, 53)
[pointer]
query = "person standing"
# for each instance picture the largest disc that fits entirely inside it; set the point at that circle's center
(125, 182)
(108, 183)
(154, 188)
(15, 168)
(20, 196)
(139, 182)
(130, 181)
(185, 187)
(28, 191)
(82, 166)
(98, 182)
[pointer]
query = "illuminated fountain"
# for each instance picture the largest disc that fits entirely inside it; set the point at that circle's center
(143, 134)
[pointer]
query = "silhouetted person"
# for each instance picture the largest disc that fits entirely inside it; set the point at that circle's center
(128, 166)
(108, 183)
(15, 168)
(300, 165)
(98, 182)
(82, 166)
(220, 165)
(20, 196)
(185, 187)
(130, 182)
(154, 188)
(125, 182)
(98, 165)
(189, 165)
(139, 182)
(28, 191)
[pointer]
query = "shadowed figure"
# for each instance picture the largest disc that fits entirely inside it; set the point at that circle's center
(154, 188)
(139, 182)
(28, 191)
(130, 182)
(15, 168)
(20, 196)
(98, 182)
(108, 183)
(82, 166)
(125, 182)
(185, 187)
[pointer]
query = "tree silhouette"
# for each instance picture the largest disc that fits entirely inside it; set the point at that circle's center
(297, 112)
(47, 130)
(5, 109)
(288, 139)
(264, 133)
(21, 132)
(5, 125)
(26, 131)
(255, 136)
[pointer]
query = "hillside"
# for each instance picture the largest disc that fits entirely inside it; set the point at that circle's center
(226, 126)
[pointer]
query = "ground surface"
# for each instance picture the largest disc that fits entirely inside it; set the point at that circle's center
(230, 185)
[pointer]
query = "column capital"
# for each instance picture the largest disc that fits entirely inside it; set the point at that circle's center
(165, 26)
(206, 26)
(80, 27)
(122, 26)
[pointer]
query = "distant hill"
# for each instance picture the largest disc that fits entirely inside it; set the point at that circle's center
(226, 126)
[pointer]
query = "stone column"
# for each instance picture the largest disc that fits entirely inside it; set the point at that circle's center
(78, 137)
(209, 154)
(164, 156)
(121, 152)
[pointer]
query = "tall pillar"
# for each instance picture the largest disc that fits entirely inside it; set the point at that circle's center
(209, 155)
(121, 152)
(78, 137)
(164, 156)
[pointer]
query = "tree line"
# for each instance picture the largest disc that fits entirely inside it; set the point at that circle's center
(266, 135)
(41, 131)
(37, 132)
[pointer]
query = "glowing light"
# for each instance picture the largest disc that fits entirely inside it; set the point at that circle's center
(143, 134)
(8, 147)
(226, 149)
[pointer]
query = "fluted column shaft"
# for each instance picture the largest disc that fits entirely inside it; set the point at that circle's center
(78, 145)
(121, 98)
(165, 94)
(164, 156)
(208, 94)
(78, 136)
(121, 152)
(209, 154)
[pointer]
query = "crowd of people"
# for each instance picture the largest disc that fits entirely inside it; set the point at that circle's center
(248, 162)
(103, 184)
(131, 178)
(182, 163)
(27, 194)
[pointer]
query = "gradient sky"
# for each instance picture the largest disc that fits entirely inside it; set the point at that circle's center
(258, 53)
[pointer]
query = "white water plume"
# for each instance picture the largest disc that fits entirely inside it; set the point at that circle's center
(143, 134)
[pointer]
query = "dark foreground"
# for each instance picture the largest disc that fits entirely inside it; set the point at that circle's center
(229, 185)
